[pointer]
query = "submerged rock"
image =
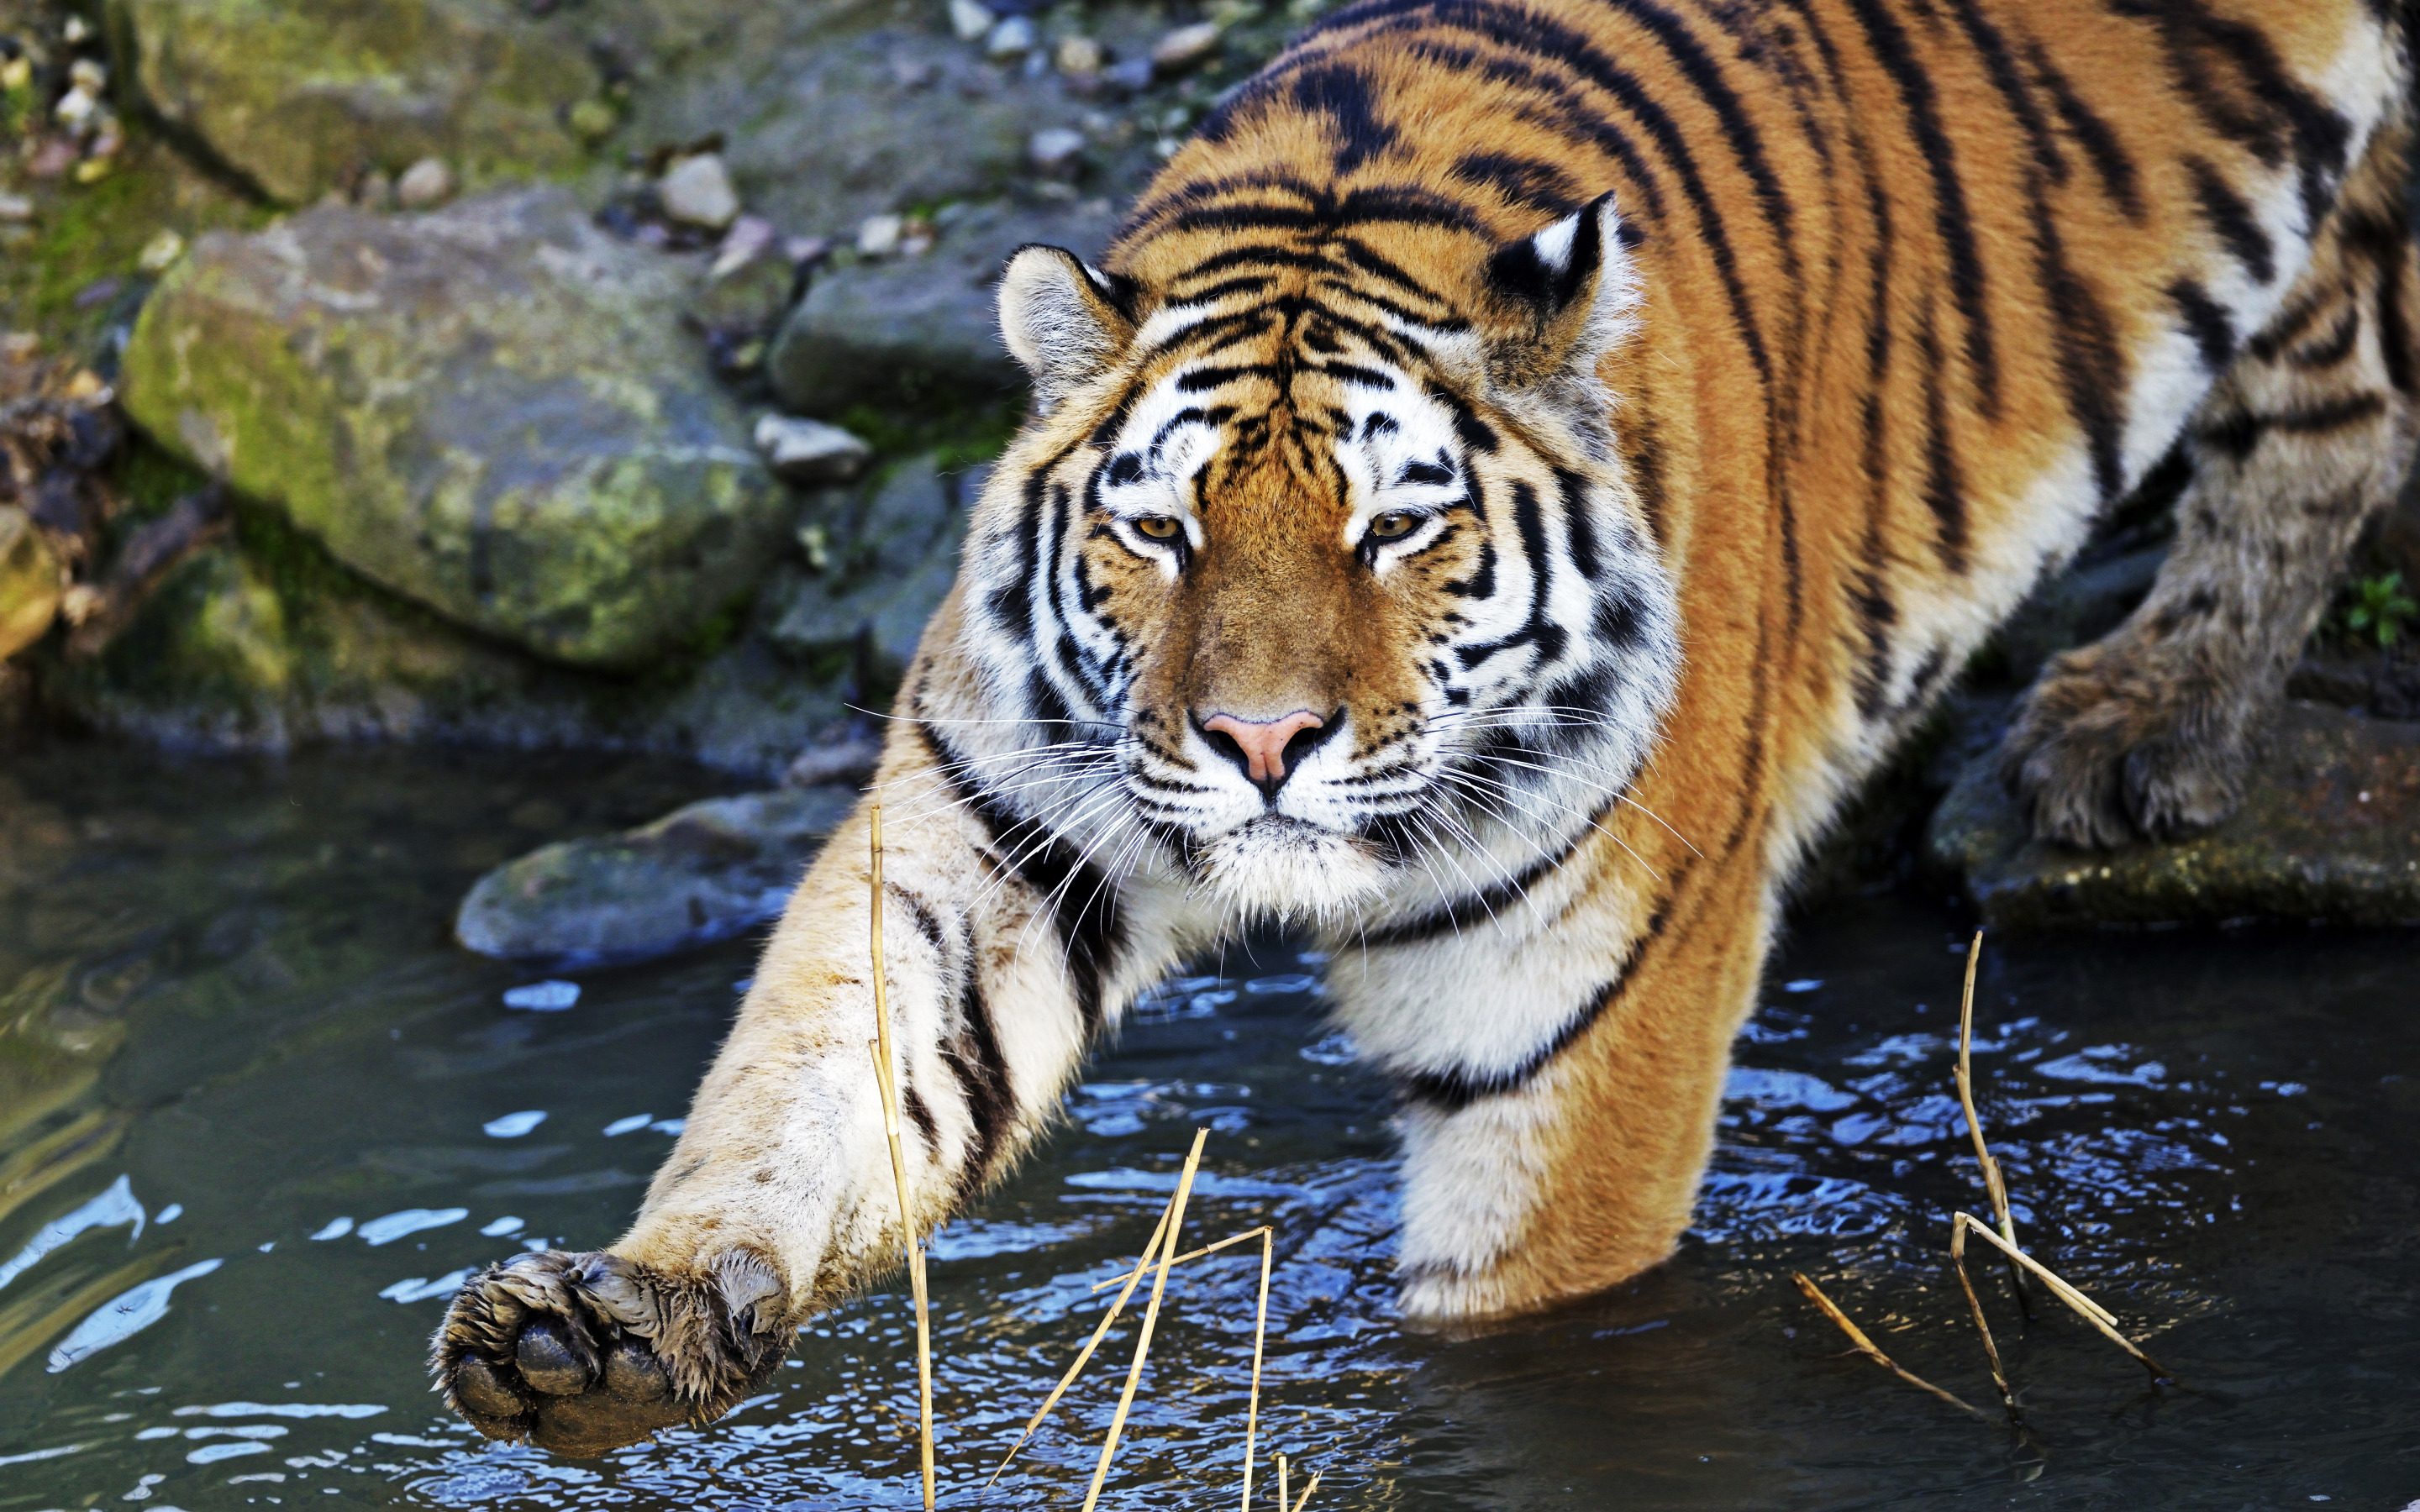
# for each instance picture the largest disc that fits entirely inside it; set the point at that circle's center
(489, 408)
(2329, 830)
(295, 94)
(701, 873)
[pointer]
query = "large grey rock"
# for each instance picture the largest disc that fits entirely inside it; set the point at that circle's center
(903, 324)
(2330, 829)
(294, 94)
(2075, 608)
(701, 873)
(890, 554)
(490, 410)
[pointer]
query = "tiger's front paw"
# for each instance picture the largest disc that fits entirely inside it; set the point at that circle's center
(584, 1353)
(2108, 746)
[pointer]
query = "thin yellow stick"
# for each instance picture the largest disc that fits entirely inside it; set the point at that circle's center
(1995, 1186)
(1865, 1347)
(2092, 1312)
(1108, 1321)
(1150, 1317)
(1975, 1305)
(1228, 1241)
(884, 1080)
(1304, 1500)
(1259, 1330)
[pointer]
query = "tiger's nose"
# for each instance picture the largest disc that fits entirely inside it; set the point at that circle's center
(1262, 747)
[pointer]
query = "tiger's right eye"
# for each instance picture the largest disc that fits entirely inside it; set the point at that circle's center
(1158, 527)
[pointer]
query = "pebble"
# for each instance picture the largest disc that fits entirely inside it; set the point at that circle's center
(16, 208)
(1185, 48)
(425, 185)
(1132, 76)
(375, 191)
(1057, 150)
(749, 237)
(1013, 38)
(970, 19)
(77, 106)
(160, 253)
(1081, 56)
(878, 235)
(592, 121)
(810, 451)
(698, 191)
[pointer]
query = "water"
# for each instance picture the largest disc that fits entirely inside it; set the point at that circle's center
(230, 1007)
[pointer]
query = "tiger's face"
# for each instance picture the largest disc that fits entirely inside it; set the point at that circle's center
(1297, 593)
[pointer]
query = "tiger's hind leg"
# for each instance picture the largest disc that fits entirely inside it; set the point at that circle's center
(2308, 433)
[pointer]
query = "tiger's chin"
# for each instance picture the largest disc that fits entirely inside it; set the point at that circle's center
(1286, 869)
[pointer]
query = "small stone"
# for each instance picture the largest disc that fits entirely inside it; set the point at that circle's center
(970, 19)
(1186, 48)
(16, 208)
(1131, 77)
(878, 235)
(749, 237)
(807, 452)
(375, 191)
(1057, 150)
(1081, 56)
(160, 253)
(29, 581)
(77, 106)
(698, 191)
(75, 31)
(425, 185)
(1013, 38)
(20, 345)
(85, 74)
(592, 120)
(54, 157)
(802, 251)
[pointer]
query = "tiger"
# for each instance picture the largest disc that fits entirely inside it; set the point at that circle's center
(1517, 469)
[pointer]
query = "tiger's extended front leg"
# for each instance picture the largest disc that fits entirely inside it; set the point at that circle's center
(779, 1198)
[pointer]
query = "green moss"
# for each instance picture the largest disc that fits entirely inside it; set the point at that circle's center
(957, 429)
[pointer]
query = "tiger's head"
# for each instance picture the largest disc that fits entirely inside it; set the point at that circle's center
(1314, 578)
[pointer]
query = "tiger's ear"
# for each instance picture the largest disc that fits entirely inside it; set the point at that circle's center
(1571, 292)
(1064, 319)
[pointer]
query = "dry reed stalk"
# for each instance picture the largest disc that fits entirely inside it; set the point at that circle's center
(884, 1080)
(1259, 1330)
(1862, 1345)
(1282, 1483)
(1108, 1321)
(1150, 1318)
(1995, 1185)
(1304, 1500)
(1975, 1303)
(1189, 1255)
(2090, 1311)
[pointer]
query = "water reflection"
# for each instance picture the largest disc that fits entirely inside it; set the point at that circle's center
(230, 995)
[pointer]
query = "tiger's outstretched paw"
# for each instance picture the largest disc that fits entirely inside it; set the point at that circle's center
(2109, 747)
(582, 1353)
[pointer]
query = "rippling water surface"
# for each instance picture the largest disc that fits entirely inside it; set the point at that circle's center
(256, 1117)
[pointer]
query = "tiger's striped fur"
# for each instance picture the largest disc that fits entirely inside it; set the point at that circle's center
(1520, 465)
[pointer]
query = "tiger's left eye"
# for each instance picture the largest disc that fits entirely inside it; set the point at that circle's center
(1158, 527)
(1391, 524)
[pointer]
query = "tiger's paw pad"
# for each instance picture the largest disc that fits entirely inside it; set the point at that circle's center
(2104, 752)
(584, 1353)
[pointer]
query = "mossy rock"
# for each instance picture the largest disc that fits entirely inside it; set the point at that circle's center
(2329, 830)
(295, 94)
(490, 410)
